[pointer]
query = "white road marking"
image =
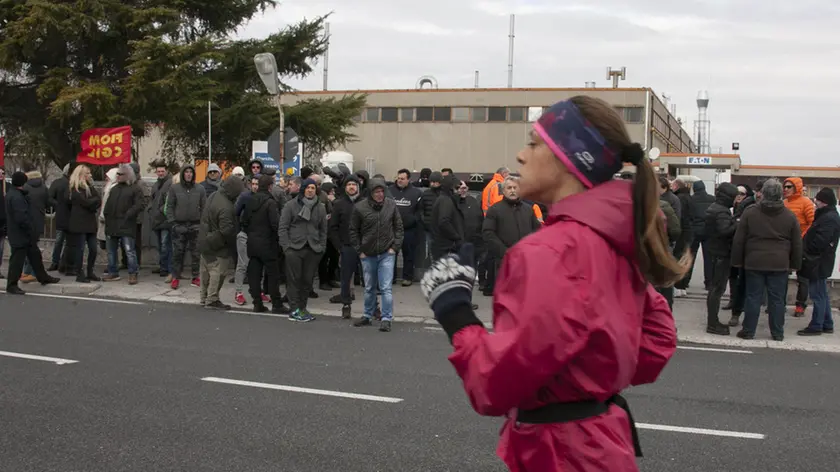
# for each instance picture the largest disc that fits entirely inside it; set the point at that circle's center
(707, 432)
(314, 391)
(71, 297)
(713, 349)
(56, 360)
(434, 328)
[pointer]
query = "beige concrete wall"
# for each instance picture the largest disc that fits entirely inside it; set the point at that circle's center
(464, 146)
(149, 148)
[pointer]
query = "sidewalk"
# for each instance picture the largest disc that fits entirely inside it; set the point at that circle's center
(410, 307)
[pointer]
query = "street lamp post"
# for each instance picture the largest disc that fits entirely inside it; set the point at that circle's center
(267, 69)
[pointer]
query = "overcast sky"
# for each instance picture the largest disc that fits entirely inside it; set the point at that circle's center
(768, 65)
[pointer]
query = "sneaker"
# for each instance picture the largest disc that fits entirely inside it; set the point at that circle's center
(799, 312)
(217, 305)
(265, 298)
(363, 322)
(719, 330)
(385, 326)
(406, 283)
(336, 299)
(300, 316)
(259, 307)
(94, 278)
(110, 277)
(679, 293)
(132, 279)
(734, 320)
(778, 337)
(345, 312)
(168, 278)
(196, 282)
(239, 298)
(828, 330)
(175, 284)
(809, 332)
(744, 335)
(27, 279)
(82, 279)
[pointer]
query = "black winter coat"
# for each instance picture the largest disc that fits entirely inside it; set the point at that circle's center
(700, 202)
(39, 201)
(767, 239)
(124, 203)
(338, 231)
(3, 186)
(158, 203)
(59, 195)
(375, 229)
(427, 202)
(260, 221)
(19, 228)
(675, 202)
(821, 239)
(685, 215)
(505, 224)
(84, 211)
(720, 222)
(446, 225)
(473, 221)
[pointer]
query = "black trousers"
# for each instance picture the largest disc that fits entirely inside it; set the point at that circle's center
(683, 244)
(349, 267)
(328, 265)
(720, 276)
(696, 245)
(409, 253)
(301, 265)
(668, 293)
(256, 268)
(18, 258)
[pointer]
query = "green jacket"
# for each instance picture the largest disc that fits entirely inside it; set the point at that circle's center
(218, 227)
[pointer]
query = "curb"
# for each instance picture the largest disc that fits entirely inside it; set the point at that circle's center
(756, 343)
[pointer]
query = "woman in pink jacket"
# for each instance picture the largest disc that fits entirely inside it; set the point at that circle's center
(576, 316)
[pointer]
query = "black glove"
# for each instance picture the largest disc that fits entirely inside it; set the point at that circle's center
(448, 284)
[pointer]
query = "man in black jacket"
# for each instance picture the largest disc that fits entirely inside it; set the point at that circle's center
(39, 202)
(820, 245)
(683, 244)
(23, 237)
(2, 215)
(427, 201)
(505, 224)
(407, 197)
(339, 234)
(261, 221)
(720, 230)
(447, 221)
(666, 194)
(700, 202)
(59, 196)
(376, 232)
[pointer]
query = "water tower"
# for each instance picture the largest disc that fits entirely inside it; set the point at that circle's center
(702, 126)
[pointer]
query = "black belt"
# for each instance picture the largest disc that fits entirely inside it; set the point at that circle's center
(575, 411)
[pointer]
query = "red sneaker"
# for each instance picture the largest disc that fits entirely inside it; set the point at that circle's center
(265, 298)
(239, 298)
(175, 284)
(196, 282)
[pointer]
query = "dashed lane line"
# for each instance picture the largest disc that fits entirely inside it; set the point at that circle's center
(32, 357)
(313, 391)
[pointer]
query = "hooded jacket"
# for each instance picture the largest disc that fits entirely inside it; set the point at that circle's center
(59, 195)
(376, 227)
(219, 226)
(185, 201)
(492, 192)
(821, 240)
(260, 221)
(700, 202)
(685, 216)
(125, 201)
(720, 222)
(473, 221)
(573, 320)
(340, 218)
(427, 202)
(672, 223)
(446, 222)
(767, 239)
(39, 201)
(157, 204)
(505, 224)
(675, 202)
(801, 206)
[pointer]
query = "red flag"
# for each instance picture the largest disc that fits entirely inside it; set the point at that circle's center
(2, 148)
(106, 146)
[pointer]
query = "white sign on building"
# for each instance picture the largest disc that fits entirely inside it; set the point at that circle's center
(698, 160)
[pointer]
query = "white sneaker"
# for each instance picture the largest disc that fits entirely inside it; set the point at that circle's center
(679, 293)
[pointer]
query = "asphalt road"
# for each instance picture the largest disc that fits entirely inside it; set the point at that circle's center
(135, 399)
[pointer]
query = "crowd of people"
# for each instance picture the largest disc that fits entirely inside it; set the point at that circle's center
(263, 231)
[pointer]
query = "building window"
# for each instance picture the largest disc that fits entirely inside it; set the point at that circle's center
(461, 114)
(424, 114)
(518, 113)
(407, 115)
(371, 114)
(534, 113)
(496, 114)
(358, 117)
(634, 114)
(479, 114)
(443, 114)
(389, 114)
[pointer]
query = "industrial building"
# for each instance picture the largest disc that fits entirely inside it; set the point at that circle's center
(477, 130)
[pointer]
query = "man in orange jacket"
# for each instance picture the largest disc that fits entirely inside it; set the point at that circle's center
(803, 208)
(492, 192)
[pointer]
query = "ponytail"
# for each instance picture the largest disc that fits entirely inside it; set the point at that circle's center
(653, 254)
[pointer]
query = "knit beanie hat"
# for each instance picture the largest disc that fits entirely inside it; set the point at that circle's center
(19, 179)
(827, 196)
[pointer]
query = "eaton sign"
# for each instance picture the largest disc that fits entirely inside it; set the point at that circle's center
(698, 160)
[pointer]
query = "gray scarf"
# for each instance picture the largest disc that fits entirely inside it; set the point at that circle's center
(306, 207)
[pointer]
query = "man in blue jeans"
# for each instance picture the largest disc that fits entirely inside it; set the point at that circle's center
(820, 247)
(376, 233)
(157, 218)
